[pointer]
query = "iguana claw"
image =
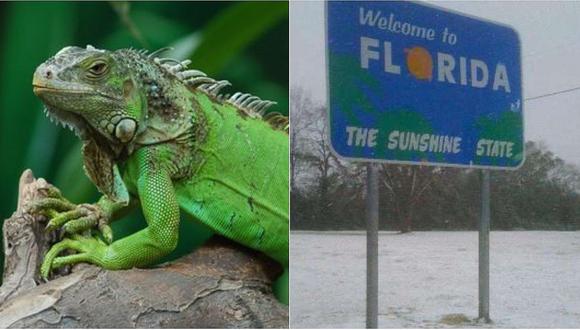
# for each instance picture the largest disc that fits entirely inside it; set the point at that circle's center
(71, 218)
(91, 249)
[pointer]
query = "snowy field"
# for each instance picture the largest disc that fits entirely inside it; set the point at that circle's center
(424, 277)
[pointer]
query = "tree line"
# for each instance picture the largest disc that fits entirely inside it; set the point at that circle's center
(328, 193)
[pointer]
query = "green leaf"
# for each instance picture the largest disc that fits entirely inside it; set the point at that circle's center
(233, 30)
(24, 47)
(156, 29)
(122, 8)
(71, 179)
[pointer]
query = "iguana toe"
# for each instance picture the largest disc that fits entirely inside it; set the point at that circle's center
(81, 224)
(63, 218)
(53, 192)
(45, 205)
(90, 249)
(106, 232)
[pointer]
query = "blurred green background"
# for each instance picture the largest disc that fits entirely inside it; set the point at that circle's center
(243, 42)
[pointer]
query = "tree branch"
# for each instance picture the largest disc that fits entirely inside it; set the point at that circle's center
(221, 285)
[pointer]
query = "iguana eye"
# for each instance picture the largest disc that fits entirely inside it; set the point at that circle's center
(97, 69)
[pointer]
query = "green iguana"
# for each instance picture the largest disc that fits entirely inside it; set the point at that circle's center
(157, 134)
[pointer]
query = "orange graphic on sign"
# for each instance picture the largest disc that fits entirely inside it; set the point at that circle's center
(420, 63)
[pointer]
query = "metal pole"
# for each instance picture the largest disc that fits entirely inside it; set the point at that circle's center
(372, 215)
(484, 225)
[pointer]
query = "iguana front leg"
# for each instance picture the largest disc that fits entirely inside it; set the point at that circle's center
(76, 218)
(161, 211)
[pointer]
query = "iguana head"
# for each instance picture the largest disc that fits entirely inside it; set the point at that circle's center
(92, 91)
(100, 95)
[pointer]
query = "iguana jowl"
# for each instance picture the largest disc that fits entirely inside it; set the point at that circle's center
(157, 134)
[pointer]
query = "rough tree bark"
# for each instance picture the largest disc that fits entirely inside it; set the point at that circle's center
(221, 285)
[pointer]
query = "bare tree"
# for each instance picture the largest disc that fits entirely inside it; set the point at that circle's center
(406, 185)
(301, 107)
(323, 185)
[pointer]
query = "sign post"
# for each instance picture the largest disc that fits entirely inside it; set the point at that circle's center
(411, 83)
(484, 225)
(372, 215)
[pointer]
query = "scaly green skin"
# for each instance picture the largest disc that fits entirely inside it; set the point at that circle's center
(156, 136)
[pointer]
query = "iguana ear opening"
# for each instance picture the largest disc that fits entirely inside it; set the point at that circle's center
(136, 108)
(134, 111)
(128, 87)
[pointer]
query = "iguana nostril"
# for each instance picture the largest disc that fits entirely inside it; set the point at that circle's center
(48, 74)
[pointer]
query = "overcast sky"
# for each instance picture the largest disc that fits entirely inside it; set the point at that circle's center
(550, 36)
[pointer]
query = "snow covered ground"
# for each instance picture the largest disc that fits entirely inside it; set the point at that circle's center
(425, 276)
